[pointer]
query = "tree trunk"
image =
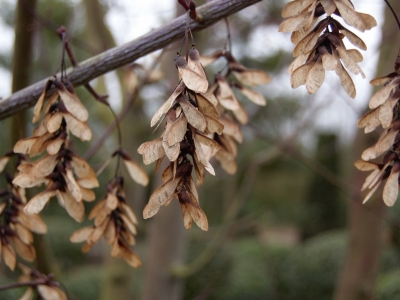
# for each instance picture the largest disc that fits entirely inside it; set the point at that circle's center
(366, 222)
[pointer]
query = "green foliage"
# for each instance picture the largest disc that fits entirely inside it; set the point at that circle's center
(84, 283)
(388, 287)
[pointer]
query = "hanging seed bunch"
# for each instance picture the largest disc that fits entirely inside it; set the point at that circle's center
(320, 48)
(231, 112)
(385, 112)
(115, 221)
(16, 225)
(66, 175)
(190, 116)
(45, 288)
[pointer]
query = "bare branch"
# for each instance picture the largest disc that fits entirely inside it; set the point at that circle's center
(127, 53)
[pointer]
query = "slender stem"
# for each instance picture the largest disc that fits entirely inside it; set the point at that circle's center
(393, 12)
(228, 39)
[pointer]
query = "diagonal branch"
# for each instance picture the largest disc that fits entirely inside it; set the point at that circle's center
(127, 53)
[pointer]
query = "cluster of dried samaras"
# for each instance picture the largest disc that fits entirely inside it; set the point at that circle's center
(201, 123)
(67, 177)
(385, 112)
(320, 48)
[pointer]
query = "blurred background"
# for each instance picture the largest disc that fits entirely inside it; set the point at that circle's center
(288, 225)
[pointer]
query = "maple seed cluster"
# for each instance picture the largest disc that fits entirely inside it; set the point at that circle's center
(230, 112)
(16, 225)
(47, 289)
(115, 221)
(385, 112)
(66, 176)
(321, 48)
(190, 116)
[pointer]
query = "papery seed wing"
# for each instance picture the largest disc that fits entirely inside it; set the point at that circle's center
(370, 120)
(98, 232)
(315, 78)
(130, 214)
(49, 292)
(295, 22)
(37, 203)
(226, 97)
(252, 77)
(297, 62)
(295, 7)
(54, 146)
(369, 21)
(39, 104)
(54, 123)
(209, 59)
(24, 233)
(254, 96)
(206, 107)
(197, 214)
(136, 172)
(167, 104)
(128, 224)
(348, 62)
(299, 76)
(191, 79)
(329, 62)
(176, 131)
(210, 95)
(81, 235)
(33, 222)
(384, 143)
(329, 6)
(26, 251)
(9, 256)
(131, 257)
(111, 201)
(172, 152)
(72, 185)
(87, 194)
(44, 166)
(371, 192)
(382, 95)
(354, 39)
(207, 142)
(194, 62)
(187, 218)
(232, 128)
(41, 144)
(151, 151)
(391, 188)
(159, 197)
(82, 169)
(78, 128)
(24, 145)
(3, 162)
(363, 165)
(386, 112)
(73, 104)
(74, 208)
(355, 55)
(192, 114)
(213, 125)
(201, 156)
(110, 234)
(350, 16)
(241, 114)
(97, 209)
(346, 81)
